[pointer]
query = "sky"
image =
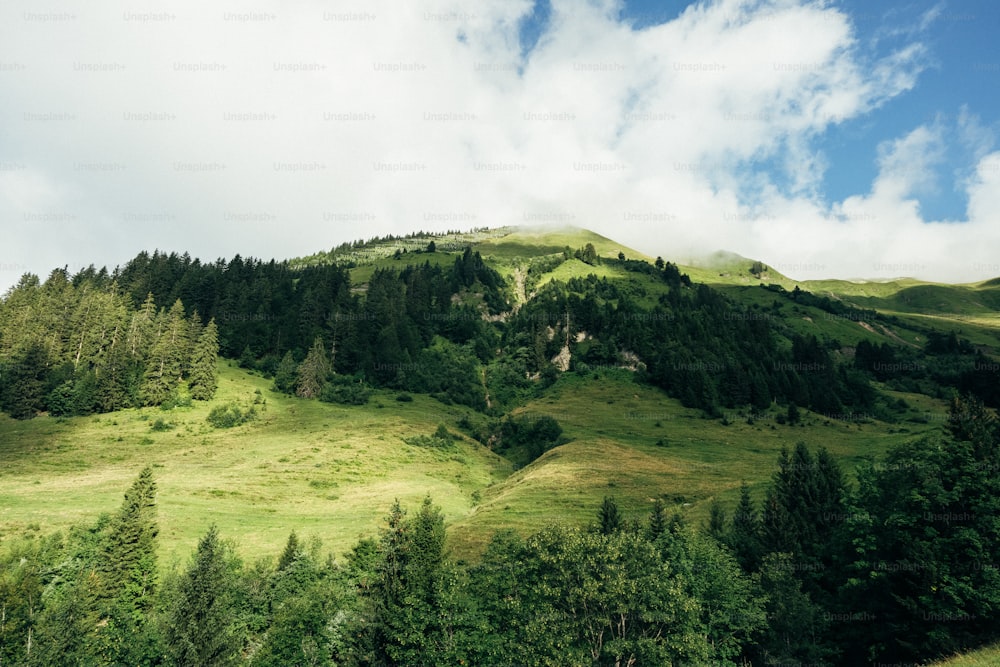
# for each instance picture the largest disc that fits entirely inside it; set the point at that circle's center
(829, 139)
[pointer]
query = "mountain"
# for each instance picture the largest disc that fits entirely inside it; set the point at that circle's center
(670, 431)
(519, 377)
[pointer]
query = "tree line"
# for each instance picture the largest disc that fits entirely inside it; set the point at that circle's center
(899, 567)
(78, 346)
(446, 328)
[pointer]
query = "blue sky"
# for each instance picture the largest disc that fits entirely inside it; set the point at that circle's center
(962, 73)
(825, 138)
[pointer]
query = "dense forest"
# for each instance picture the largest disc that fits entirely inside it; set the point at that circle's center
(825, 572)
(147, 334)
(77, 346)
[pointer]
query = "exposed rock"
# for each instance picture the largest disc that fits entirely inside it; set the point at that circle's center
(561, 360)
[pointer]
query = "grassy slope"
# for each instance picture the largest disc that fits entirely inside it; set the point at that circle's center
(972, 310)
(615, 424)
(987, 657)
(526, 242)
(333, 471)
(321, 469)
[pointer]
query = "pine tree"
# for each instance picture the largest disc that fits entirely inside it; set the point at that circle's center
(127, 577)
(793, 415)
(657, 521)
(164, 368)
(142, 330)
(744, 532)
(427, 536)
(716, 526)
(200, 629)
(203, 378)
(112, 374)
(194, 331)
(609, 518)
(386, 596)
(291, 552)
(314, 371)
(286, 374)
(128, 558)
(22, 388)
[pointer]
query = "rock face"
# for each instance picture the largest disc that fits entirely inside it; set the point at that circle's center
(561, 360)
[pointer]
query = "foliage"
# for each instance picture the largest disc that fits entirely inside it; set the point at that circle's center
(345, 390)
(202, 628)
(230, 414)
(523, 439)
(314, 371)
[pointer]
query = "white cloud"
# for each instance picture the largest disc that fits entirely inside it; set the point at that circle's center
(224, 129)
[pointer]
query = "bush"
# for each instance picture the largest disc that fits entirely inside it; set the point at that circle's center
(346, 390)
(229, 415)
(524, 439)
(179, 398)
(404, 398)
(429, 442)
(160, 425)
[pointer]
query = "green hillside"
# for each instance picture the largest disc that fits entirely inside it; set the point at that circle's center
(632, 442)
(532, 380)
(318, 468)
(333, 471)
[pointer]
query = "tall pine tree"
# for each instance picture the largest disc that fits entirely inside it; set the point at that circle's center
(127, 578)
(609, 519)
(201, 628)
(203, 378)
(744, 532)
(313, 371)
(164, 368)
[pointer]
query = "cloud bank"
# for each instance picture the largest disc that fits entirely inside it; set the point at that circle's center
(280, 130)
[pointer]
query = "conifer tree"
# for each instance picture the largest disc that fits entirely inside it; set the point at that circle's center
(716, 526)
(427, 548)
(193, 330)
(165, 365)
(609, 519)
(657, 521)
(203, 378)
(142, 329)
(112, 392)
(127, 577)
(406, 599)
(292, 549)
(128, 558)
(388, 587)
(22, 391)
(744, 532)
(200, 630)
(313, 371)
(286, 374)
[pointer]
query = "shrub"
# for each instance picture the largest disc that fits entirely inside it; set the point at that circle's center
(435, 441)
(346, 390)
(179, 398)
(160, 425)
(230, 414)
